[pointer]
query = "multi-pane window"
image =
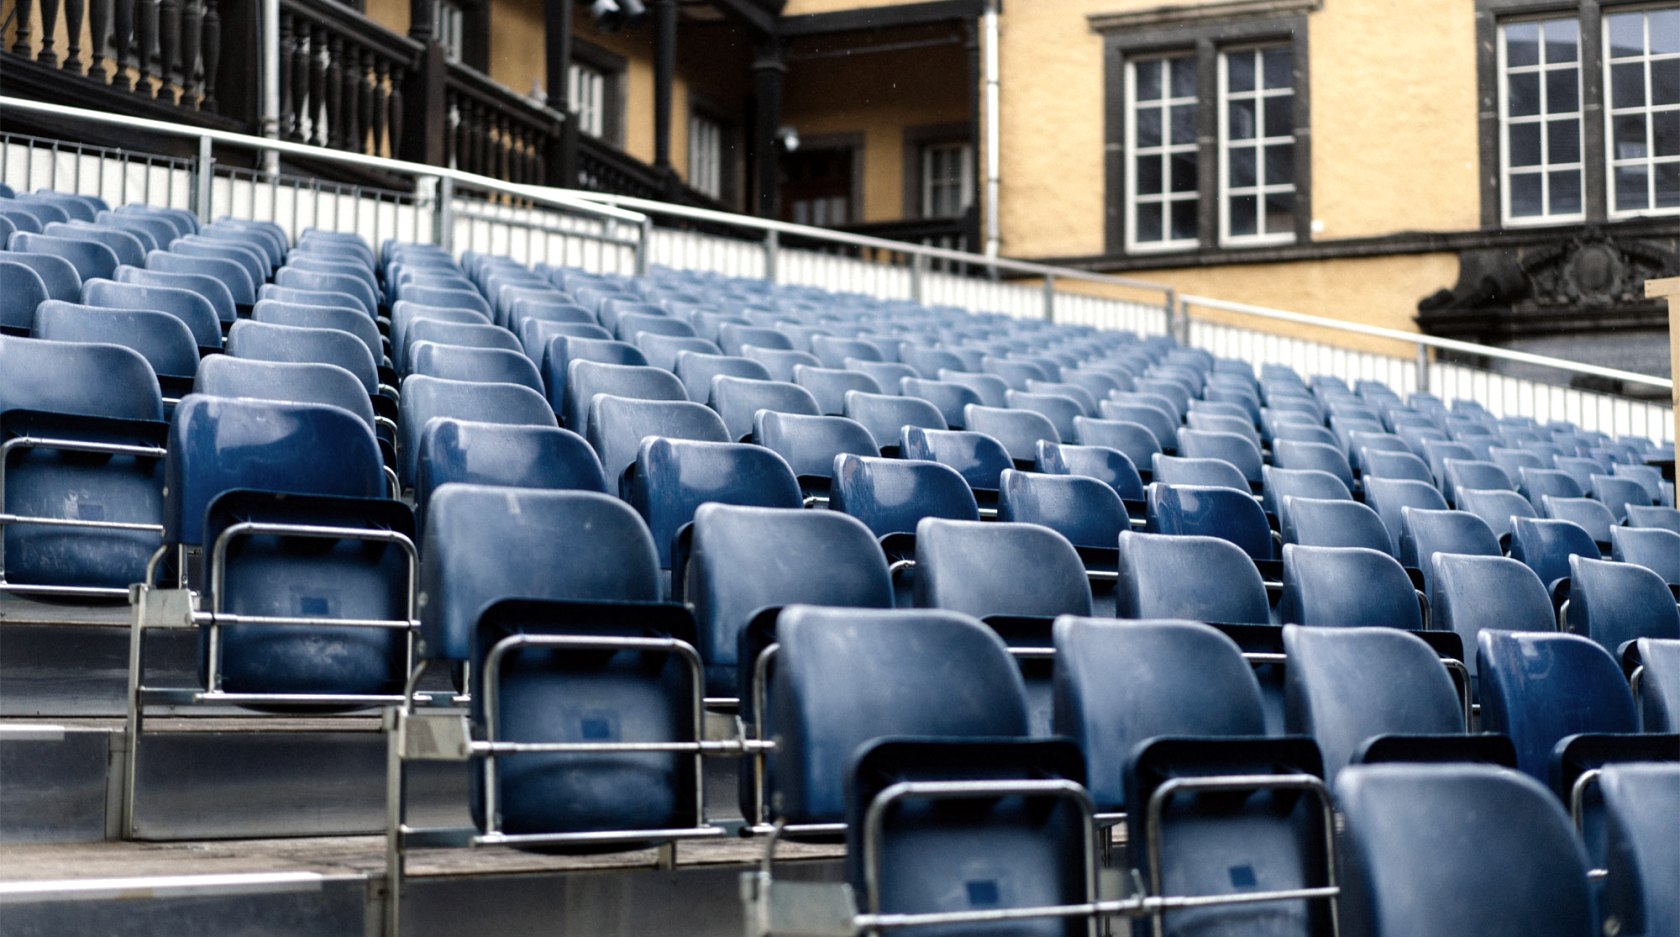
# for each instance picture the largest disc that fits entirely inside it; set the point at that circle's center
(705, 156)
(1540, 113)
(1161, 120)
(1257, 145)
(1642, 108)
(450, 24)
(587, 90)
(947, 179)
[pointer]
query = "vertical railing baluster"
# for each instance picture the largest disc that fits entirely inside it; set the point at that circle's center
(212, 54)
(318, 84)
(367, 139)
(335, 92)
(49, 26)
(288, 128)
(99, 29)
(145, 39)
(73, 10)
(192, 32)
(21, 9)
(391, 81)
(169, 46)
(122, 34)
(379, 108)
(351, 107)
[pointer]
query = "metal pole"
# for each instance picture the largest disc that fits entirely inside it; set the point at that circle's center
(644, 248)
(203, 176)
(1049, 298)
(772, 253)
(994, 224)
(918, 285)
(443, 228)
(1423, 368)
(270, 39)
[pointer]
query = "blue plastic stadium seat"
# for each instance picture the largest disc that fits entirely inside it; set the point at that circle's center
(58, 275)
(733, 545)
(91, 259)
(1642, 854)
(1281, 484)
(1238, 450)
(697, 370)
(833, 350)
(1332, 522)
(1347, 587)
(232, 275)
(885, 415)
(930, 361)
(780, 362)
(427, 398)
(1391, 496)
(1110, 466)
(1617, 492)
(846, 677)
(733, 338)
(1085, 510)
(265, 341)
(630, 326)
(617, 425)
(1061, 410)
(582, 564)
(212, 289)
(1658, 685)
(1192, 577)
(950, 398)
(1457, 849)
(163, 340)
(228, 376)
(1302, 454)
(505, 454)
(1134, 439)
(1496, 507)
(1018, 430)
(1424, 533)
(587, 379)
(977, 457)
(1546, 545)
(1198, 684)
(1347, 687)
(358, 287)
(810, 443)
(129, 247)
(235, 460)
(1382, 463)
(1210, 511)
(562, 350)
(662, 350)
(674, 477)
(194, 311)
(1651, 547)
(310, 316)
(1666, 518)
(1615, 603)
(79, 393)
(1204, 472)
(446, 332)
(829, 386)
(484, 365)
(738, 400)
(21, 290)
(1542, 688)
(891, 496)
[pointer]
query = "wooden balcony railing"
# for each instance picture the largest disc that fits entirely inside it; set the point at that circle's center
(342, 78)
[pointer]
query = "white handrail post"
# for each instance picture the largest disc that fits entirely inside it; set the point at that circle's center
(918, 286)
(204, 176)
(644, 247)
(772, 254)
(270, 38)
(1423, 368)
(443, 224)
(1049, 298)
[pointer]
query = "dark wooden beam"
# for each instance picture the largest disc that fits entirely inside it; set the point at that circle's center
(768, 74)
(751, 12)
(664, 76)
(909, 14)
(557, 50)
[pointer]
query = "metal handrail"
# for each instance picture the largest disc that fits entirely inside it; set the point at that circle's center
(1426, 341)
(561, 198)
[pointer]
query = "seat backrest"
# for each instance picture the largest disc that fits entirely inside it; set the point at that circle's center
(738, 399)
(1424, 533)
(1457, 849)
(211, 289)
(1206, 472)
(1304, 454)
(484, 365)
(1018, 430)
(697, 370)
(674, 477)
(1541, 687)
(566, 545)
(1191, 577)
(733, 337)
(219, 444)
(428, 398)
(1659, 687)
(1472, 473)
(192, 309)
(891, 495)
(1134, 439)
(1383, 463)
(1617, 492)
(1655, 549)
(265, 341)
(1085, 510)
(833, 350)
(884, 415)
(830, 385)
(1546, 544)
(780, 362)
(1347, 587)
(1060, 409)
(950, 398)
(1332, 522)
(985, 569)
(1209, 511)
(163, 340)
(1281, 484)
(1614, 603)
(845, 677)
(1109, 466)
(1346, 686)
(1158, 420)
(58, 275)
(74, 377)
(819, 558)
(563, 350)
(1232, 448)
(21, 290)
(91, 259)
(309, 316)
(1496, 506)
(1117, 684)
(1666, 518)
(448, 332)
(1391, 496)
(1642, 853)
(510, 455)
(810, 443)
(585, 380)
(1458, 598)
(978, 458)
(1648, 477)
(228, 376)
(1536, 483)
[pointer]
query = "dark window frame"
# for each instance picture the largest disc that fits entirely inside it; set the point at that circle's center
(916, 140)
(614, 67)
(1205, 39)
(853, 141)
(729, 146)
(1595, 162)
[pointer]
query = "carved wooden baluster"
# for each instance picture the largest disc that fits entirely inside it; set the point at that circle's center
(212, 54)
(391, 79)
(486, 140)
(379, 108)
(192, 31)
(352, 105)
(335, 93)
(20, 44)
(99, 26)
(287, 129)
(145, 39)
(73, 35)
(169, 45)
(49, 25)
(122, 33)
(318, 85)
(367, 139)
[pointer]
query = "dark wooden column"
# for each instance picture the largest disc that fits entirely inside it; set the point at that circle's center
(664, 76)
(976, 143)
(420, 20)
(768, 73)
(561, 166)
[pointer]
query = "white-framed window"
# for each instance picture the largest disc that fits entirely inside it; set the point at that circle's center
(1642, 111)
(1257, 145)
(586, 88)
(450, 25)
(947, 179)
(1162, 184)
(1540, 120)
(705, 156)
